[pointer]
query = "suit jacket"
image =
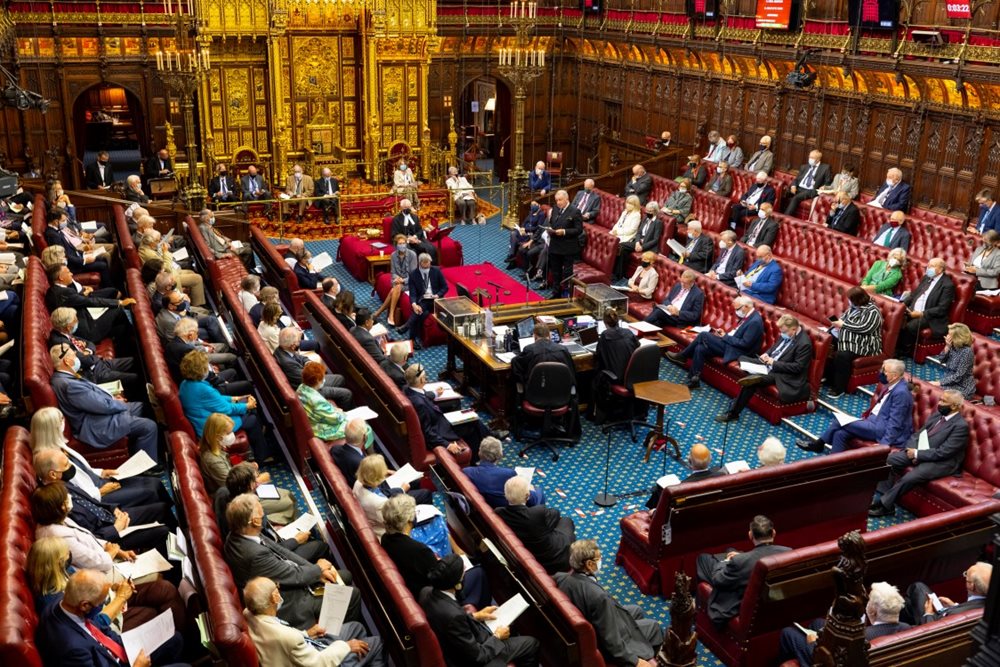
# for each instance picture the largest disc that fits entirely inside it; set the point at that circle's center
(395, 373)
(62, 641)
(649, 233)
(730, 578)
(845, 219)
(640, 188)
(761, 161)
(987, 275)
(536, 353)
(307, 187)
(439, 287)
(767, 284)
(766, 234)
(217, 242)
(537, 527)
(767, 194)
(895, 419)
(465, 641)
(620, 639)
(570, 220)
(291, 364)
(734, 262)
(248, 189)
(437, 430)
(307, 279)
(59, 296)
(399, 226)
(95, 418)
(153, 167)
(321, 189)
(368, 342)
(542, 182)
(745, 339)
(989, 218)
(696, 173)
(724, 183)
(701, 255)
(947, 445)
(92, 176)
(74, 258)
(901, 237)
(898, 198)
(679, 201)
(215, 187)
(280, 645)
(791, 370)
(489, 479)
(93, 515)
(938, 305)
(691, 309)
(593, 205)
(820, 178)
(348, 459)
(87, 361)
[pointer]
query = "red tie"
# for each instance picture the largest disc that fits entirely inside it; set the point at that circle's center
(113, 647)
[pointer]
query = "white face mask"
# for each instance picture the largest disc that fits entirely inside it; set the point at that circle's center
(597, 563)
(812, 162)
(893, 261)
(228, 440)
(762, 215)
(722, 245)
(69, 504)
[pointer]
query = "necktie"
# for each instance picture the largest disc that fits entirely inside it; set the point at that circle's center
(780, 349)
(756, 231)
(253, 184)
(298, 186)
(222, 182)
(329, 187)
(96, 510)
(807, 182)
(755, 271)
(937, 427)
(583, 202)
(884, 195)
(114, 648)
(888, 237)
(78, 344)
(722, 260)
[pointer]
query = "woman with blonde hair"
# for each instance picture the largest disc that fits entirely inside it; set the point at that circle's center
(958, 360)
(643, 281)
(371, 473)
(625, 230)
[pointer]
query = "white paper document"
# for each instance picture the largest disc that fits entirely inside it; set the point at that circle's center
(922, 441)
(5, 348)
(336, 599)
(236, 245)
(461, 416)
(113, 388)
(321, 261)
(177, 545)
(525, 473)
(525, 342)
(149, 636)
(303, 524)
(285, 320)
(98, 251)
(734, 467)
(144, 564)
(179, 255)
(467, 563)
(668, 480)
(426, 513)
(844, 419)
(312, 356)
(96, 313)
(137, 464)
(89, 226)
(136, 529)
(447, 393)
(267, 492)
(676, 247)
(644, 327)
(405, 475)
(378, 330)
(361, 412)
(508, 612)
(506, 357)
(752, 368)
(7, 258)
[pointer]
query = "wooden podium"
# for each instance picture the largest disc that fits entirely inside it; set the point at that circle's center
(660, 393)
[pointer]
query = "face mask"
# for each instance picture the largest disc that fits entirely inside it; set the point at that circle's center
(211, 221)
(645, 265)
(762, 182)
(67, 475)
(228, 440)
(888, 182)
(76, 365)
(730, 143)
(534, 208)
(94, 612)
(786, 336)
(740, 314)
(812, 162)
(720, 170)
(401, 248)
(944, 410)
(692, 164)
(763, 147)
(75, 327)
(597, 563)
(762, 215)
(369, 438)
(683, 189)
(883, 378)
(893, 262)
(402, 167)
(931, 273)
(722, 245)
(281, 601)
(298, 175)
(183, 306)
(63, 225)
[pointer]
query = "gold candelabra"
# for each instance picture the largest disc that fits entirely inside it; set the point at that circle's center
(520, 65)
(181, 70)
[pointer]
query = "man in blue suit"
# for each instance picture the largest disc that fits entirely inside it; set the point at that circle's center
(744, 338)
(70, 635)
(95, 417)
(540, 180)
(358, 442)
(427, 284)
(894, 194)
(989, 216)
(759, 193)
(587, 202)
(730, 260)
(489, 477)
(894, 233)
(889, 422)
(763, 279)
(682, 306)
(438, 431)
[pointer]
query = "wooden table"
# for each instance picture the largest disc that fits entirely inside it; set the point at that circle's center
(377, 263)
(660, 393)
(488, 379)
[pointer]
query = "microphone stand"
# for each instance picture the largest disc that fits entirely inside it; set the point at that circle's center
(606, 499)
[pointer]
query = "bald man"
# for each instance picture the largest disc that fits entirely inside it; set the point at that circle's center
(587, 202)
(919, 609)
(893, 194)
(700, 464)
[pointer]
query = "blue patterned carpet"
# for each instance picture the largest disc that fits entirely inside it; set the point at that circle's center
(579, 473)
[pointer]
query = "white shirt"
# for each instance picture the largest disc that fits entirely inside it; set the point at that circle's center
(755, 196)
(678, 301)
(921, 302)
(881, 401)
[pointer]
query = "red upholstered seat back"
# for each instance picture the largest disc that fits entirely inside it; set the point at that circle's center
(611, 207)
(836, 254)
(125, 243)
(872, 220)
(811, 293)
(38, 224)
(931, 240)
(662, 189)
(601, 248)
(937, 219)
(18, 619)
(711, 210)
(37, 363)
(228, 270)
(987, 365)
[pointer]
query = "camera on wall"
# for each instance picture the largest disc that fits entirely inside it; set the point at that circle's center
(15, 96)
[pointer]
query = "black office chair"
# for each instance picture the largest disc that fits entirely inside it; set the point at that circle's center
(643, 366)
(549, 395)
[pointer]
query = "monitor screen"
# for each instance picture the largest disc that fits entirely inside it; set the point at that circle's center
(873, 14)
(588, 335)
(779, 14)
(591, 6)
(526, 328)
(707, 9)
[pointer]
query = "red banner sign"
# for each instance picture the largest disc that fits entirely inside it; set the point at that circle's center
(959, 10)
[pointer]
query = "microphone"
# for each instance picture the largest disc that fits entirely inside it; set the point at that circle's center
(493, 284)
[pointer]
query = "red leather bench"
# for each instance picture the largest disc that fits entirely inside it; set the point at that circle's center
(226, 626)
(402, 624)
(662, 189)
(743, 180)
(983, 313)
(38, 242)
(707, 515)
(278, 274)
(398, 426)
(567, 638)
(216, 272)
(18, 619)
(353, 250)
(37, 364)
(125, 243)
(711, 210)
(797, 585)
(938, 219)
(597, 260)
(611, 209)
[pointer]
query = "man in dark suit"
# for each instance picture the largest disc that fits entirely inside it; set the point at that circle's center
(811, 178)
(730, 572)
(744, 338)
(888, 422)
(647, 237)
(394, 365)
(358, 442)
(79, 261)
(64, 292)
(223, 188)
(362, 334)
(254, 187)
(543, 349)
(308, 279)
(882, 614)
(682, 306)
(99, 175)
(489, 477)
(186, 339)
(624, 635)
(640, 184)
(845, 217)
(936, 450)
(159, 165)
(760, 192)
(329, 188)
(894, 234)
(465, 639)
(93, 367)
(540, 180)
(698, 252)
(426, 285)
(250, 554)
(919, 608)
(700, 463)
(587, 202)
(762, 159)
(291, 363)
(927, 307)
(989, 215)
(763, 230)
(787, 363)
(541, 529)
(894, 194)
(407, 223)
(70, 633)
(722, 182)
(331, 288)
(566, 228)
(729, 261)
(436, 427)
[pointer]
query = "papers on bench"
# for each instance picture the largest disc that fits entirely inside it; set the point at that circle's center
(96, 313)
(285, 320)
(734, 467)
(426, 513)
(362, 412)
(4, 295)
(177, 545)
(752, 368)
(844, 419)
(5, 348)
(291, 262)
(525, 473)
(336, 599)
(113, 388)
(236, 245)
(135, 529)
(144, 564)
(321, 261)
(378, 330)
(312, 356)
(405, 475)
(702, 329)
(89, 226)
(447, 393)
(644, 327)
(7, 258)
(668, 480)
(149, 636)
(645, 341)
(303, 524)
(461, 416)
(408, 344)
(137, 464)
(507, 613)
(179, 255)
(989, 292)
(267, 492)
(678, 249)
(98, 251)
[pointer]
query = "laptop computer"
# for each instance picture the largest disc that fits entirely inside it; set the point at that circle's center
(526, 328)
(588, 338)
(574, 348)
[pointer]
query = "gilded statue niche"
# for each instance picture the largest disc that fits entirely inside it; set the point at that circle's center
(392, 94)
(238, 96)
(316, 66)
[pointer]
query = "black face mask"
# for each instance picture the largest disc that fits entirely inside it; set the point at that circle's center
(883, 378)
(69, 473)
(945, 410)
(645, 265)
